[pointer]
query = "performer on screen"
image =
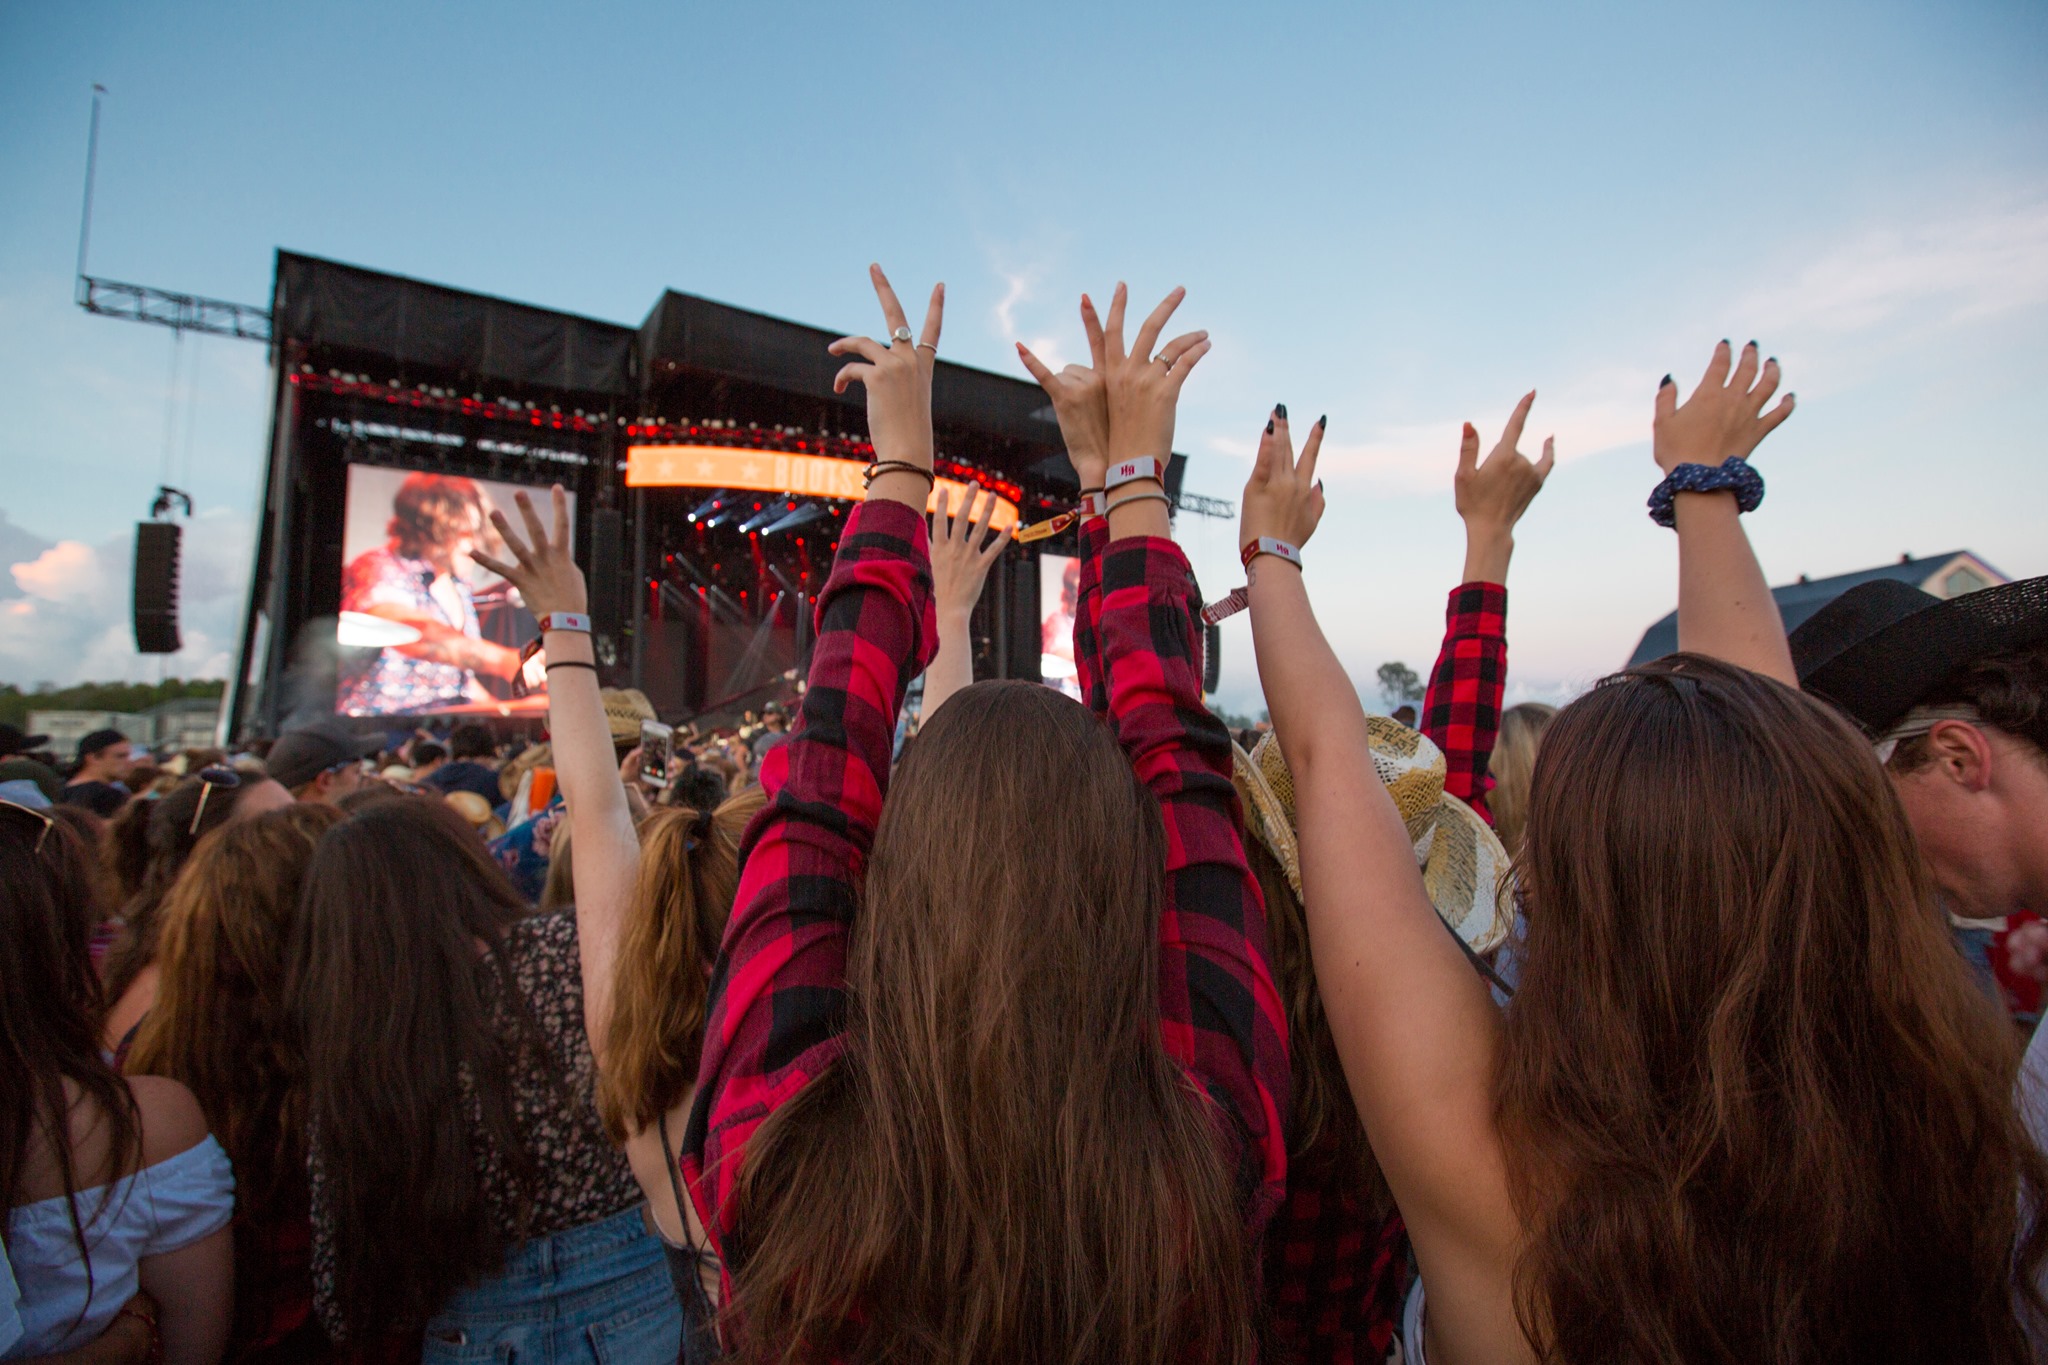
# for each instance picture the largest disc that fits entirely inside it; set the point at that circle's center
(417, 578)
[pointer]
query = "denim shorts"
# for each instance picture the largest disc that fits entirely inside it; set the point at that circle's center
(598, 1293)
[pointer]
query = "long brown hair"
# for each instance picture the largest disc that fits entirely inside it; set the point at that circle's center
(147, 845)
(49, 1003)
(1005, 1164)
(220, 1024)
(1756, 1110)
(394, 1012)
(689, 870)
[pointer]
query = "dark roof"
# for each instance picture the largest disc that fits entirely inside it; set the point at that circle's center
(325, 303)
(1797, 601)
(693, 333)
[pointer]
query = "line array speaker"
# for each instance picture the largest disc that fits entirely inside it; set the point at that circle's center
(156, 587)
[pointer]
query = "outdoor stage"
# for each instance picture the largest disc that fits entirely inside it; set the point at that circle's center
(709, 463)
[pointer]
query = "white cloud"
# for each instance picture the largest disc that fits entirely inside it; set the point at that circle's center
(72, 623)
(1019, 288)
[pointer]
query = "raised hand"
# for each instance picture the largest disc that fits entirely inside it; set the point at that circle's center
(1283, 498)
(962, 551)
(898, 380)
(1492, 495)
(1080, 400)
(544, 572)
(1725, 416)
(1143, 389)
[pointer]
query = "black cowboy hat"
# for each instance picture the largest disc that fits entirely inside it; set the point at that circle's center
(1880, 647)
(13, 741)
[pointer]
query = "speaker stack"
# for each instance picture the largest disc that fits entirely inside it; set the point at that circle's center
(156, 587)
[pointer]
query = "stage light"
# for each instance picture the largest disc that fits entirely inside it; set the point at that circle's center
(800, 516)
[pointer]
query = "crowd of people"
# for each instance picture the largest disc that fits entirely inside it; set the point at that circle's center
(1076, 1028)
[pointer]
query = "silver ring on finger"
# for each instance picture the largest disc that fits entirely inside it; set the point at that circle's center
(1163, 359)
(900, 334)
(927, 346)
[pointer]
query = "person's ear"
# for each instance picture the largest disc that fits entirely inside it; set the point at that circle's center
(1961, 753)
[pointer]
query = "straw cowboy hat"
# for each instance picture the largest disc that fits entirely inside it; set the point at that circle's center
(477, 812)
(1464, 867)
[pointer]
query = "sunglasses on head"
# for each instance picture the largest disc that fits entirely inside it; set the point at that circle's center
(210, 778)
(49, 821)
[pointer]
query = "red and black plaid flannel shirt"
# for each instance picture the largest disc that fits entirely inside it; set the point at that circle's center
(1461, 713)
(777, 1007)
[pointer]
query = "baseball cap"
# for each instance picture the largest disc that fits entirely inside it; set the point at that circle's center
(303, 754)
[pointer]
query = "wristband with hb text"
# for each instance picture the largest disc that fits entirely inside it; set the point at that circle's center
(565, 620)
(1267, 545)
(1130, 471)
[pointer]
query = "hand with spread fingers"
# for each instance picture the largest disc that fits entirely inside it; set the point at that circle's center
(1080, 401)
(543, 570)
(898, 380)
(1283, 498)
(1492, 495)
(1725, 418)
(962, 552)
(1142, 388)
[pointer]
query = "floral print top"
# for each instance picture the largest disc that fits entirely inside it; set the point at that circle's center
(581, 1177)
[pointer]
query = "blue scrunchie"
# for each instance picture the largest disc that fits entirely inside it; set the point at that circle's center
(1732, 475)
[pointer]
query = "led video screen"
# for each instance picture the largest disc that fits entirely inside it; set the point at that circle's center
(1059, 591)
(423, 627)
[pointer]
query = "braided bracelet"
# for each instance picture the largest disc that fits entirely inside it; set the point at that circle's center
(1732, 475)
(1130, 498)
(880, 467)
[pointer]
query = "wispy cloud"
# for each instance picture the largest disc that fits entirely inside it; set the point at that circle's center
(1837, 314)
(1020, 289)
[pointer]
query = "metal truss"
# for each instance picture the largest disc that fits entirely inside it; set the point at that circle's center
(1221, 508)
(179, 312)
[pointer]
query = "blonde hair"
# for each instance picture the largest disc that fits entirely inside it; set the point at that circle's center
(558, 892)
(1514, 759)
(689, 873)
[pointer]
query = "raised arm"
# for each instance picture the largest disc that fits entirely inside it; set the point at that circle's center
(1725, 607)
(1461, 711)
(777, 1003)
(601, 829)
(1081, 403)
(1414, 1027)
(1220, 1015)
(963, 551)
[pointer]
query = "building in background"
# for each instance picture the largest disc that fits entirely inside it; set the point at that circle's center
(183, 723)
(1945, 576)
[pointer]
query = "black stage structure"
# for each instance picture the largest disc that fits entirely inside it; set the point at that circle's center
(709, 457)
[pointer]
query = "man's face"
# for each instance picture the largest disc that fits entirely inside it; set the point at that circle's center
(110, 764)
(456, 533)
(1980, 814)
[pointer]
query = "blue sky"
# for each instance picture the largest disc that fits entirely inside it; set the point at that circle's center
(1402, 216)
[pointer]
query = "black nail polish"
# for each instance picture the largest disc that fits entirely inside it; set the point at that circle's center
(1323, 421)
(1771, 361)
(1725, 341)
(1752, 343)
(1667, 382)
(1281, 408)
(1269, 426)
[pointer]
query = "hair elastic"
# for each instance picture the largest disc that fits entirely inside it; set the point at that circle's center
(1732, 475)
(570, 663)
(1130, 471)
(881, 467)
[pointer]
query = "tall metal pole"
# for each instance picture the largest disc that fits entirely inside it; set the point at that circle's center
(92, 156)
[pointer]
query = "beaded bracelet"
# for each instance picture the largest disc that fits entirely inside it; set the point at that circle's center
(1732, 475)
(880, 467)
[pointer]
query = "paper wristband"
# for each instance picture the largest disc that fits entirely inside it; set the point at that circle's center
(1223, 608)
(1130, 471)
(1267, 545)
(565, 620)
